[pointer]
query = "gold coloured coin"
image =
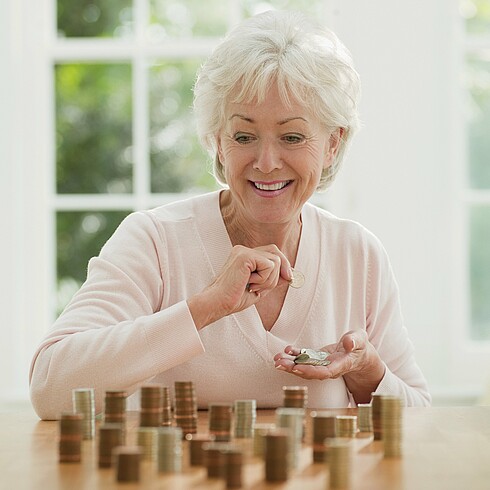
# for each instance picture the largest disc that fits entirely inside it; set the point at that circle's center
(298, 279)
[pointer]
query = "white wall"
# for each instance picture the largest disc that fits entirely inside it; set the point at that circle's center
(399, 179)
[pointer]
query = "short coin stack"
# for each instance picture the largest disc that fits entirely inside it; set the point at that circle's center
(84, 403)
(346, 426)
(295, 396)
(196, 450)
(215, 458)
(220, 416)
(323, 428)
(276, 455)
(245, 415)
(391, 423)
(340, 463)
(147, 440)
(115, 407)
(127, 460)
(260, 431)
(110, 437)
(292, 419)
(364, 417)
(151, 405)
(170, 450)
(185, 407)
(70, 443)
(233, 468)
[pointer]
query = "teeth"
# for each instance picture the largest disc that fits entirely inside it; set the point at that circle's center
(271, 187)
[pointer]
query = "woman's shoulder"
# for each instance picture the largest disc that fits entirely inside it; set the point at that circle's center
(346, 232)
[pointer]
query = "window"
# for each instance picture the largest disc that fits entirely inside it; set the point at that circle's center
(123, 73)
(476, 14)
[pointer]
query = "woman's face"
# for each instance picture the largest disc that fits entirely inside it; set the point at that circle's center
(273, 157)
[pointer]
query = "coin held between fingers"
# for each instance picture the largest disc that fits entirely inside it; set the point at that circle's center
(297, 280)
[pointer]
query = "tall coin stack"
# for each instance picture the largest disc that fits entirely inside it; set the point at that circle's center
(233, 468)
(391, 423)
(346, 426)
(115, 407)
(245, 415)
(364, 417)
(127, 460)
(276, 455)
(260, 431)
(147, 440)
(167, 407)
(220, 416)
(295, 396)
(151, 402)
(70, 443)
(84, 403)
(185, 407)
(340, 463)
(376, 416)
(292, 419)
(170, 450)
(110, 437)
(323, 428)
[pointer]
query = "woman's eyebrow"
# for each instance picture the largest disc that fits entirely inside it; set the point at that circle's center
(250, 120)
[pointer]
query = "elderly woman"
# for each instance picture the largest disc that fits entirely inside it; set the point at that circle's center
(201, 289)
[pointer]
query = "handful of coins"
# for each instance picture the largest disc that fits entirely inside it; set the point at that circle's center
(312, 357)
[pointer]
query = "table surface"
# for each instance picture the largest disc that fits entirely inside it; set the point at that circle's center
(443, 447)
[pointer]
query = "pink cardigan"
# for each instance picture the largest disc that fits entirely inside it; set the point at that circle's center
(129, 323)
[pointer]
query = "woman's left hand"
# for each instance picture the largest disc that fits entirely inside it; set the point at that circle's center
(352, 357)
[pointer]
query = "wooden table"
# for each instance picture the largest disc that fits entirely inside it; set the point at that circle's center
(444, 448)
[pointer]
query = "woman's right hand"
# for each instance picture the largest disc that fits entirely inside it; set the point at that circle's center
(248, 275)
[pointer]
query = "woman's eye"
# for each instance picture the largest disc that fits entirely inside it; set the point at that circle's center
(242, 138)
(293, 138)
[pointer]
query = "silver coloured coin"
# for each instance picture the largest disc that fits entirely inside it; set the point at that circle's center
(298, 279)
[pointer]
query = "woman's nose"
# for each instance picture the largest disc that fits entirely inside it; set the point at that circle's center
(268, 158)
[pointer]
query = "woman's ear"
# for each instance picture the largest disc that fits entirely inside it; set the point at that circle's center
(333, 146)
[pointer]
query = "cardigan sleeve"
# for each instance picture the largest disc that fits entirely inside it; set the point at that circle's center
(114, 334)
(386, 331)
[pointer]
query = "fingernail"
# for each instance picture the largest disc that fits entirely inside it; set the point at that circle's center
(290, 273)
(281, 367)
(296, 371)
(290, 352)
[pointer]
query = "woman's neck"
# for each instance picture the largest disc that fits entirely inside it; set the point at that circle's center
(285, 236)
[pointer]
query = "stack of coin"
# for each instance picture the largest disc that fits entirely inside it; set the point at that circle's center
(70, 444)
(115, 407)
(233, 468)
(323, 428)
(391, 424)
(346, 426)
(167, 407)
(376, 416)
(84, 403)
(151, 402)
(185, 407)
(220, 415)
(215, 458)
(245, 415)
(340, 462)
(127, 460)
(364, 417)
(110, 437)
(295, 396)
(170, 450)
(292, 419)
(147, 440)
(260, 430)
(196, 451)
(276, 455)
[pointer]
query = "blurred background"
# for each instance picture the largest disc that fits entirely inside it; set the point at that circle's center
(96, 122)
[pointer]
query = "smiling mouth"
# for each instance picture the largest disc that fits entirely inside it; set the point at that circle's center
(276, 186)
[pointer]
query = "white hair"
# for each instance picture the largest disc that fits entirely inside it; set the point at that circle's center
(306, 61)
